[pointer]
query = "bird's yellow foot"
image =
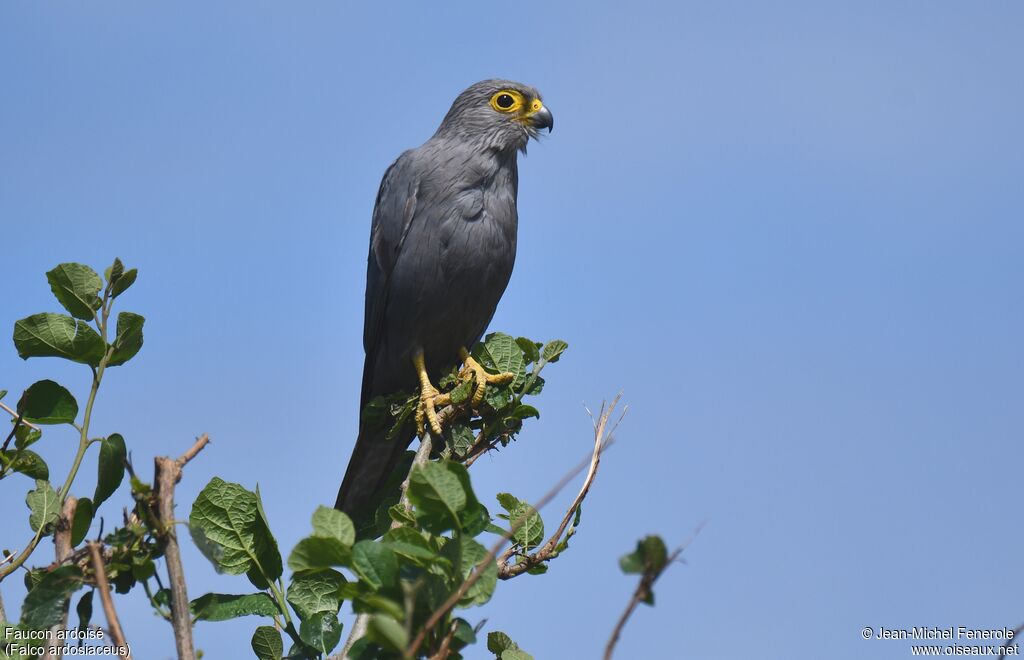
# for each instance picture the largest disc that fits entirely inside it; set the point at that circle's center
(430, 399)
(426, 410)
(472, 368)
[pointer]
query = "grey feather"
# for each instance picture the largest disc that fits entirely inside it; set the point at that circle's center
(442, 247)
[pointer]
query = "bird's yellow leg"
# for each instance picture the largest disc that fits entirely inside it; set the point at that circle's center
(430, 399)
(482, 378)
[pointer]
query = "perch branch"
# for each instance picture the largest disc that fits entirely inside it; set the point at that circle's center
(108, 603)
(479, 569)
(167, 473)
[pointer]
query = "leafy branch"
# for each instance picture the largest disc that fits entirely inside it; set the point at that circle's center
(407, 568)
(77, 288)
(650, 559)
(602, 439)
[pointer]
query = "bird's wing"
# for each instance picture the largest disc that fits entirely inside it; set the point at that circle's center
(393, 213)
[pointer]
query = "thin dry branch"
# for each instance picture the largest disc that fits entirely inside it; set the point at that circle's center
(603, 437)
(167, 473)
(15, 415)
(642, 591)
(479, 569)
(445, 649)
(62, 551)
(108, 603)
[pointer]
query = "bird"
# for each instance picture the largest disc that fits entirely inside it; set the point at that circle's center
(442, 249)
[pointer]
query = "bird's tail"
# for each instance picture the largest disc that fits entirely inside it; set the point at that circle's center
(366, 482)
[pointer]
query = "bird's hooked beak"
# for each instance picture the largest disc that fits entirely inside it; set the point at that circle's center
(542, 119)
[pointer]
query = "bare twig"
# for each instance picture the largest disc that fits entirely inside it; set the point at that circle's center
(479, 569)
(445, 649)
(358, 630)
(167, 475)
(62, 551)
(3, 612)
(108, 603)
(16, 416)
(642, 591)
(480, 446)
(602, 439)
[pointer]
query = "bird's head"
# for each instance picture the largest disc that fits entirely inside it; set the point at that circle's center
(500, 114)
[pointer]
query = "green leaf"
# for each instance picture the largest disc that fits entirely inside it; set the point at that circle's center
(498, 642)
(56, 335)
(331, 523)
(311, 592)
(465, 554)
(461, 391)
(388, 633)
(221, 607)
(266, 643)
(114, 271)
(374, 603)
(111, 468)
(129, 338)
(437, 495)
(499, 354)
(322, 631)
(410, 544)
(76, 287)
(123, 282)
(553, 350)
(474, 517)
(464, 634)
(649, 557)
(536, 388)
(44, 506)
(401, 515)
(531, 531)
(375, 563)
(46, 402)
(84, 611)
(523, 411)
(497, 397)
(530, 348)
(315, 552)
(44, 604)
(229, 530)
(270, 558)
(28, 463)
(84, 513)
(26, 436)
(516, 654)
(459, 438)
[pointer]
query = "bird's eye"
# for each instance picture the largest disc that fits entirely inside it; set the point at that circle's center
(507, 100)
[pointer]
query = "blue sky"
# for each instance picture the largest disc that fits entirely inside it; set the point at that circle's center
(792, 234)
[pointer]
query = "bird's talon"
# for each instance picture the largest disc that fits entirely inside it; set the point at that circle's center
(482, 378)
(426, 411)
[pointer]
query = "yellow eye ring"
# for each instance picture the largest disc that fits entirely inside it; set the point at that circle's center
(508, 101)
